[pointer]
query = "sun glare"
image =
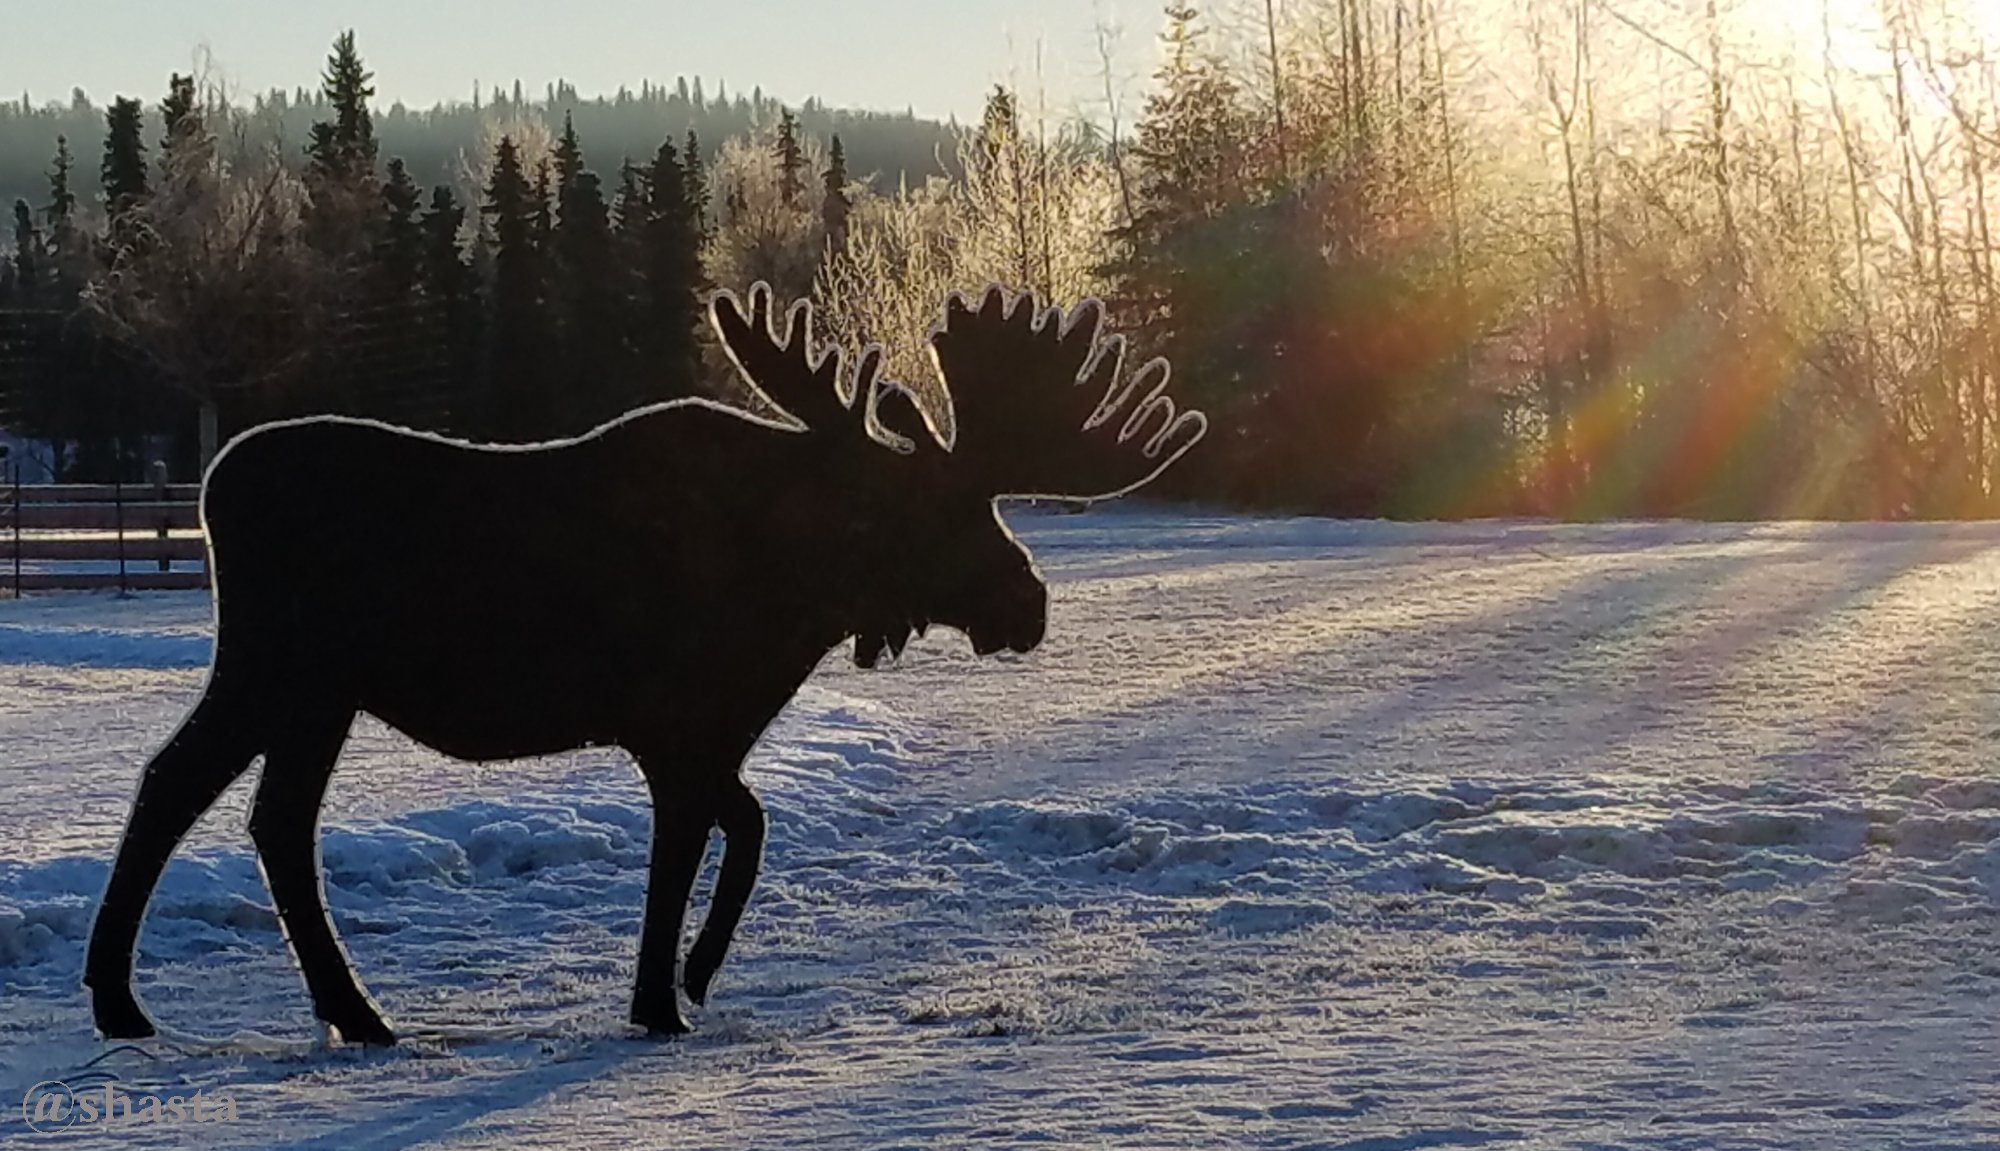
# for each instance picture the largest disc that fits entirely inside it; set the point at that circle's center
(1859, 29)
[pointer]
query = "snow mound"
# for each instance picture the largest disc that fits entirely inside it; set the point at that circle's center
(1569, 851)
(86, 632)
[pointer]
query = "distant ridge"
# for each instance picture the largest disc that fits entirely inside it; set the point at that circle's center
(887, 147)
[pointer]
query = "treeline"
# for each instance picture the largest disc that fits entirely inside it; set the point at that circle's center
(445, 144)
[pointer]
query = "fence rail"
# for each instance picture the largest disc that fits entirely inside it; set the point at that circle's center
(109, 493)
(119, 515)
(132, 549)
(95, 537)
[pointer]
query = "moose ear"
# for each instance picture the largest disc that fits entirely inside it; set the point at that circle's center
(895, 418)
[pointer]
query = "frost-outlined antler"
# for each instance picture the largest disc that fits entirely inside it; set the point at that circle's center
(784, 367)
(806, 385)
(1042, 406)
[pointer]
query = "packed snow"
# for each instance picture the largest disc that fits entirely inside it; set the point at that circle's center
(1295, 833)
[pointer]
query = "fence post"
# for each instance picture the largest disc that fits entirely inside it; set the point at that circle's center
(118, 518)
(166, 516)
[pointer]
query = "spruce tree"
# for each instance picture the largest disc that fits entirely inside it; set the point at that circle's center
(186, 145)
(834, 205)
(180, 113)
(585, 291)
(568, 156)
(510, 214)
(391, 354)
(69, 257)
(631, 211)
(543, 221)
(322, 152)
(835, 179)
(452, 300)
(122, 174)
(791, 159)
(340, 224)
(694, 180)
(1187, 149)
(73, 393)
(350, 155)
(399, 243)
(62, 201)
(671, 282)
(445, 271)
(341, 192)
(27, 253)
(628, 203)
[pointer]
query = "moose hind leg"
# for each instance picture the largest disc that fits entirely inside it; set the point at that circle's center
(284, 824)
(208, 752)
(741, 817)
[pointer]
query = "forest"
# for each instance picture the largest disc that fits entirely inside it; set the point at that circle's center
(1721, 259)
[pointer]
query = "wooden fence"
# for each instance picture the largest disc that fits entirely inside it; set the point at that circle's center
(77, 537)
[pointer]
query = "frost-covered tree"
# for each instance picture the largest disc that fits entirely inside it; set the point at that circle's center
(761, 233)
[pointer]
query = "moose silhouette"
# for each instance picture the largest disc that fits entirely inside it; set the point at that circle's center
(662, 584)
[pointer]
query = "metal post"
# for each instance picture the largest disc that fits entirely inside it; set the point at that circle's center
(166, 516)
(118, 517)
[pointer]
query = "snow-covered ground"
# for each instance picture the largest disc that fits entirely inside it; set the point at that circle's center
(1294, 834)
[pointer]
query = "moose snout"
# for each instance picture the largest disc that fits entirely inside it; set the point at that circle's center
(1029, 641)
(1019, 624)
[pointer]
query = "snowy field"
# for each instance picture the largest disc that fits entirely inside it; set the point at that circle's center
(1294, 834)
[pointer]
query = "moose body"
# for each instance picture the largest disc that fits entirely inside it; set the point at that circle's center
(561, 603)
(663, 584)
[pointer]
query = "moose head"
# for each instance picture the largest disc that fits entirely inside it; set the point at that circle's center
(1039, 408)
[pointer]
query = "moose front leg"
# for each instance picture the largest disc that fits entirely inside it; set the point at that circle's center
(680, 835)
(693, 767)
(741, 817)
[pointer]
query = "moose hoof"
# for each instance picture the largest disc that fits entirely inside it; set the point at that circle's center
(119, 1017)
(369, 1031)
(696, 979)
(661, 1024)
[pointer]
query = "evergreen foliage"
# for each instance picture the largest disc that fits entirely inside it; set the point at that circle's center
(233, 291)
(791, 159)
(122, 175)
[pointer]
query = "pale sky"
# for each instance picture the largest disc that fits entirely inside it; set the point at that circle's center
(937, 56)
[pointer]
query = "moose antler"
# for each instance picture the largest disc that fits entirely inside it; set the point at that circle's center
(1042, 407)
(807, 386)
